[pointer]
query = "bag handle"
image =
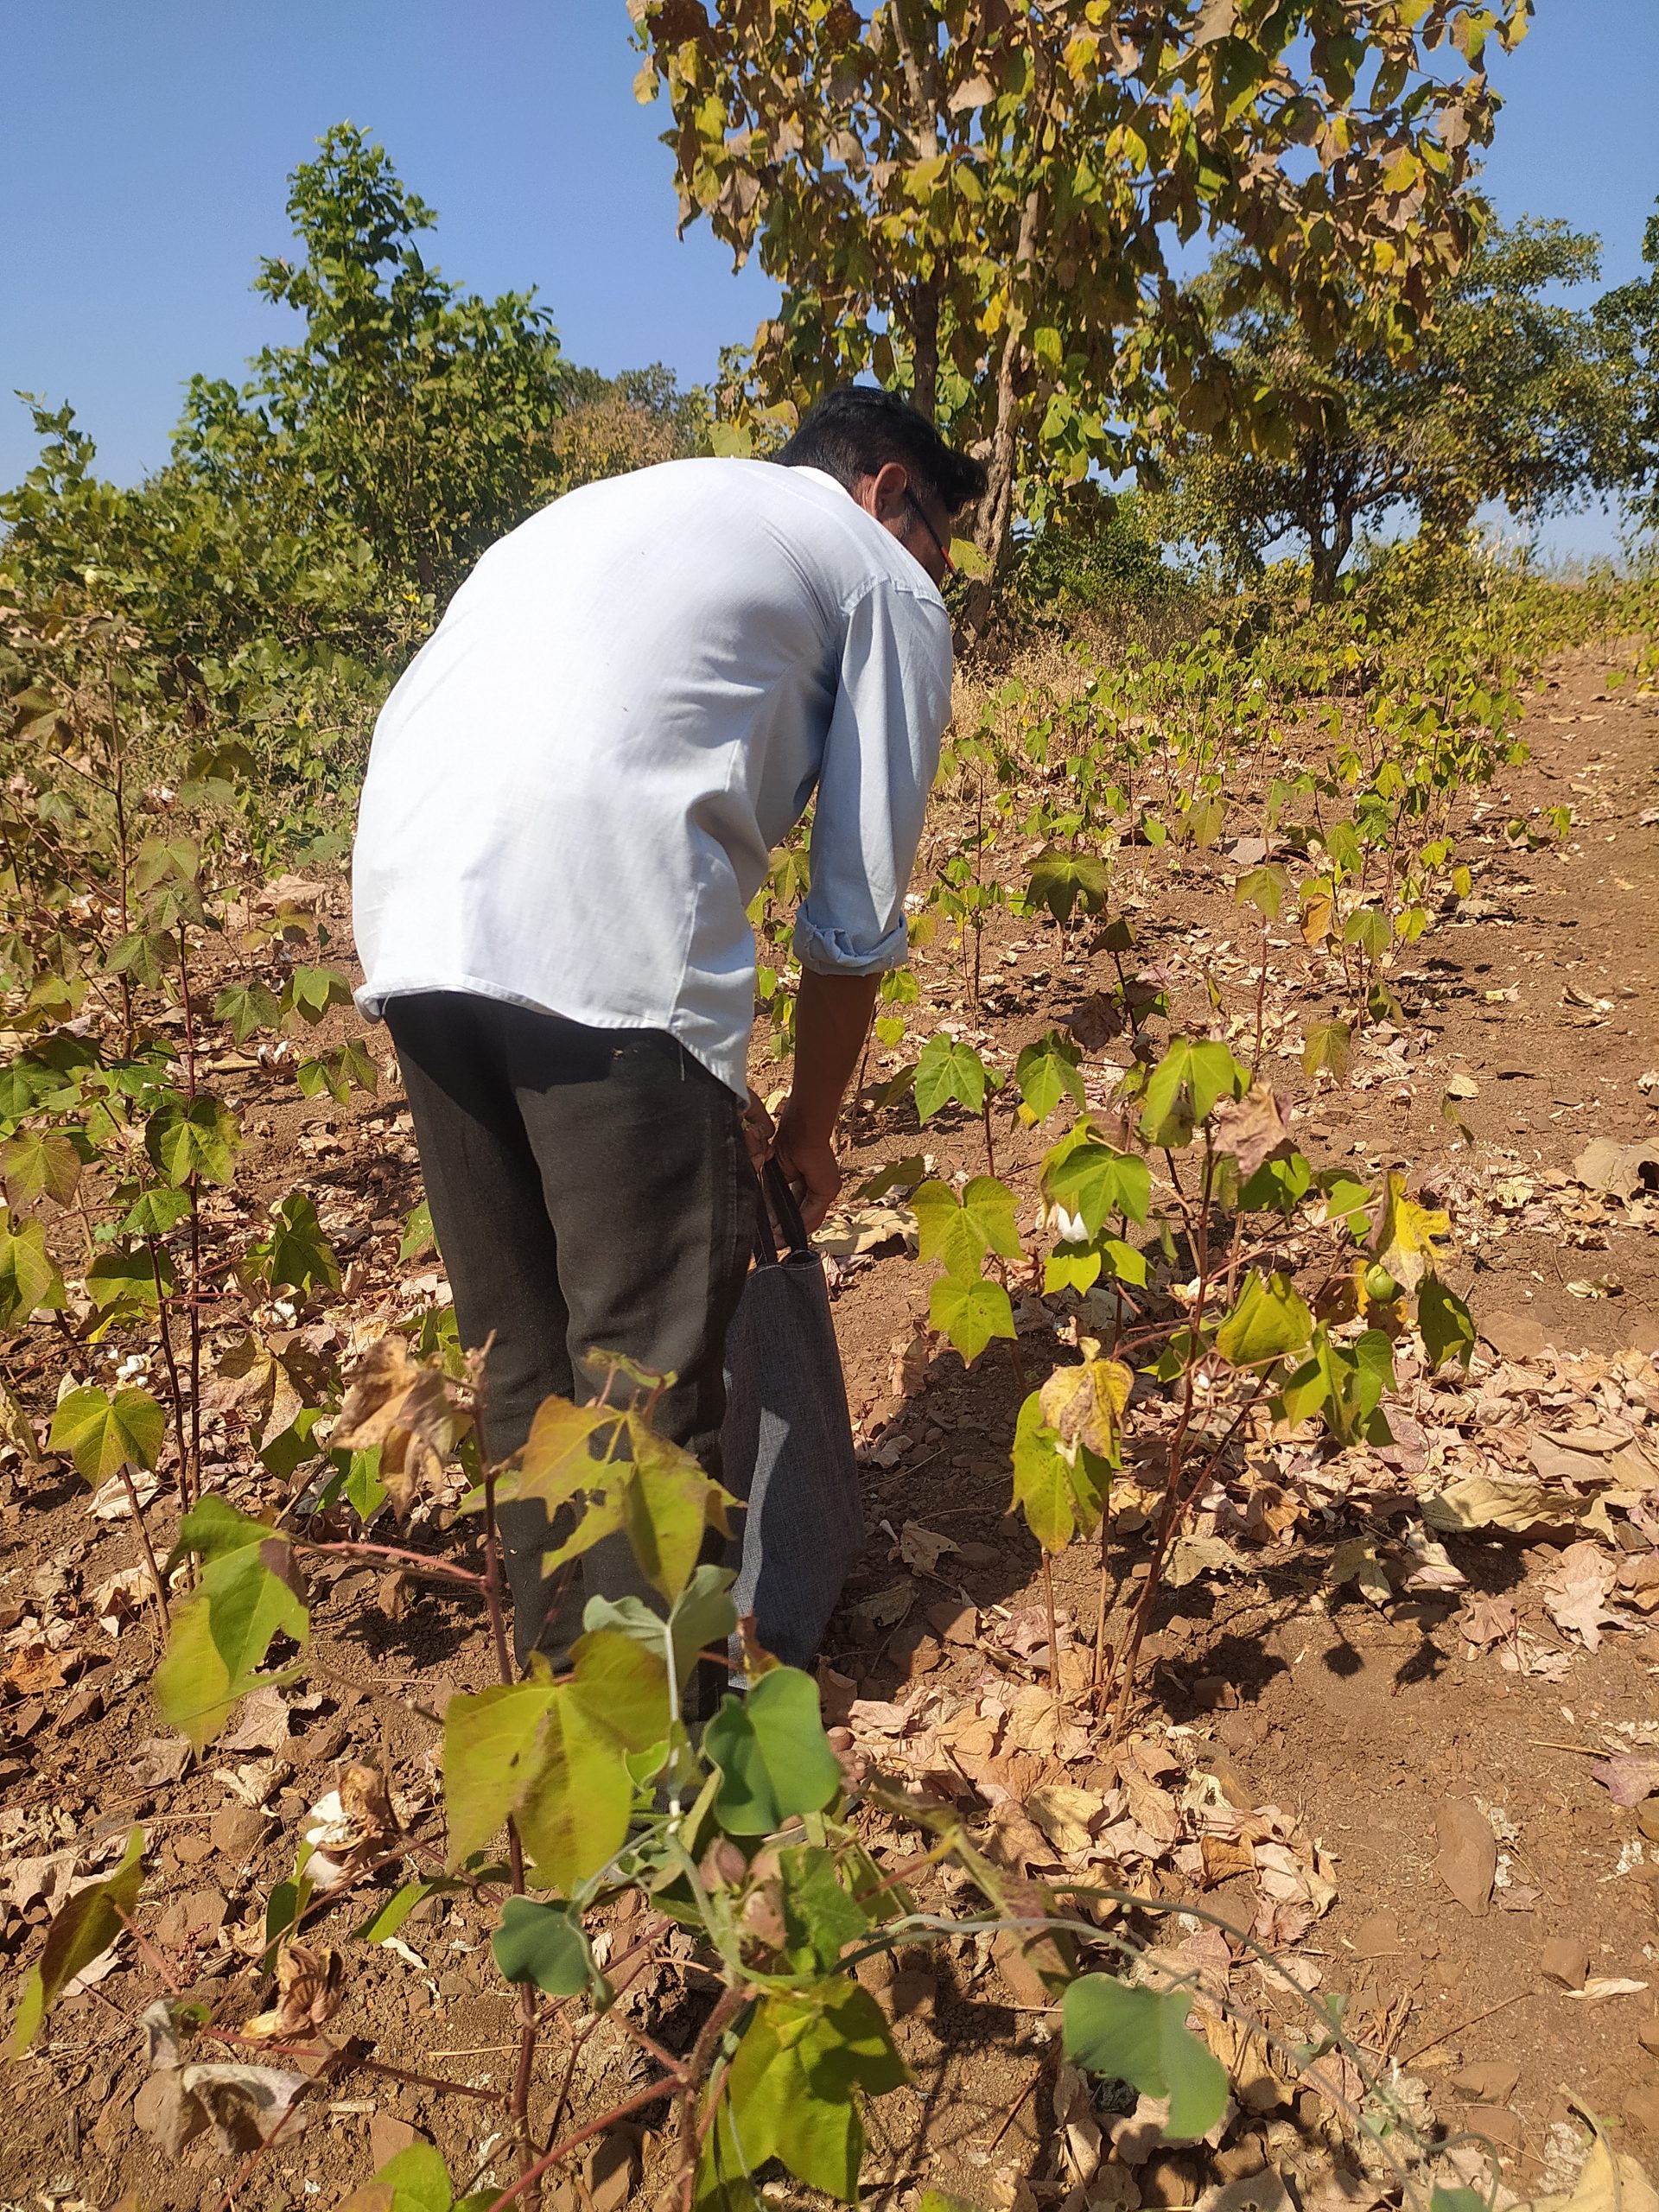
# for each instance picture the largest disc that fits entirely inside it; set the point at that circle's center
(787, 1213)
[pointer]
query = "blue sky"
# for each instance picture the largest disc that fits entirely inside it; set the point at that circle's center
(148, 147)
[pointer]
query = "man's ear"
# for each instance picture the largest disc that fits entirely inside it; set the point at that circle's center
(883, 494)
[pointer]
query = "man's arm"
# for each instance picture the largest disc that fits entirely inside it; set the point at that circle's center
(832, 1017)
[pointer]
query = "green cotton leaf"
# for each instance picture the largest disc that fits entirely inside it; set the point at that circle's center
(1369, 930)
(172, 859)
(1445, 1322)
(790, 2092)
(1270, 1321)
(1277, 1186)
(23, 1084)
(820, 1916)
(949, 1072)
(189, 1137)
(384, 1921)
(1327, 1045)
(83, 1928)
(124, 1274)
(772, 1753)
(959, 1231)
(1456, 2199)
(311, 992)
(246, 1008)
(156, 1212)
(970, 1313)
(1042, 1480)
(418, 1238)
(623, 1683)
(1345, 1386)
(1184, 1087)
(1345, 1198)
(363, 1490)
(103, 1431)
(1264, 888)
(1140, 2036)
(1048, 1074)
(29, 1280)
(546, 1946)
(573, 1814)
(146, 956)
(296, 1255)
(491, 1748)
(193, 1690)
(212, 1528)
(1075, 1267)
(1126, 1264)
(41, 1164)
(700, 1618)
(250, 1600)
(1091, 1182)
(667, 1501)
(416, 2178)
(1061, 881)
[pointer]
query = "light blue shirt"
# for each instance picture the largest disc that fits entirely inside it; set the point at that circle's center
(574, 790)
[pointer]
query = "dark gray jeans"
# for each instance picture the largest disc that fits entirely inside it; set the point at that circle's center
(589, 1189)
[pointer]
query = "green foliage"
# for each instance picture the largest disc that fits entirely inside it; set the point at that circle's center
(544, 1944)
(774, 1759)
(1140, 2036)
(1047, 1075)
(983, 218)
(1061, 881)
(970, 1313)
(85, 1927)
(1184, 1088)
(959, 1231)
(791, 2091)
(1270, 1321)
(1508, 394)
(249, 1593)
(103, 1431)
(949, 1073)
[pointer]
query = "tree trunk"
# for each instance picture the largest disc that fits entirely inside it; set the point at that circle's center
(1328, 556)
(993, 528)
(925, 346)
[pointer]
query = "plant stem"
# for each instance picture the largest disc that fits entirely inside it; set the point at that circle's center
(519, 2105)
(160, 1586)
(527, 2182)
(1054, 1635)
(174, 1389)
(426, 1564)
(193, 1187)
(730, 2002)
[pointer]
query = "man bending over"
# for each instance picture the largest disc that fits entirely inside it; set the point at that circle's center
(572, 798)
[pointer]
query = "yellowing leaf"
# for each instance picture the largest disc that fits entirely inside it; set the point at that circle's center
(1404, 1243)
(1084, 1405)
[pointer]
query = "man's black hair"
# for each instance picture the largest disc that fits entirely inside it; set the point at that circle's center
(855, 430)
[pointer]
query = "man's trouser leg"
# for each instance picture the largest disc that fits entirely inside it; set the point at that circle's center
(590, 1191)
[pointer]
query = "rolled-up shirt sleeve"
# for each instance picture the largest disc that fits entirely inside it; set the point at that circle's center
(880, 758)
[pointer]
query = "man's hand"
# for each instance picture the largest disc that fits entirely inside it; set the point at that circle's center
(810, 1168)
(832, 1015)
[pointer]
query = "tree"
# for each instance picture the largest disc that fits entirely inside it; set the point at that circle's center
(1628, 320)
(981, 201)
(419, 418)
(1506, 395)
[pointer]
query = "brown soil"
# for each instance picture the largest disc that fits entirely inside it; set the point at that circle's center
(1361, 1721)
